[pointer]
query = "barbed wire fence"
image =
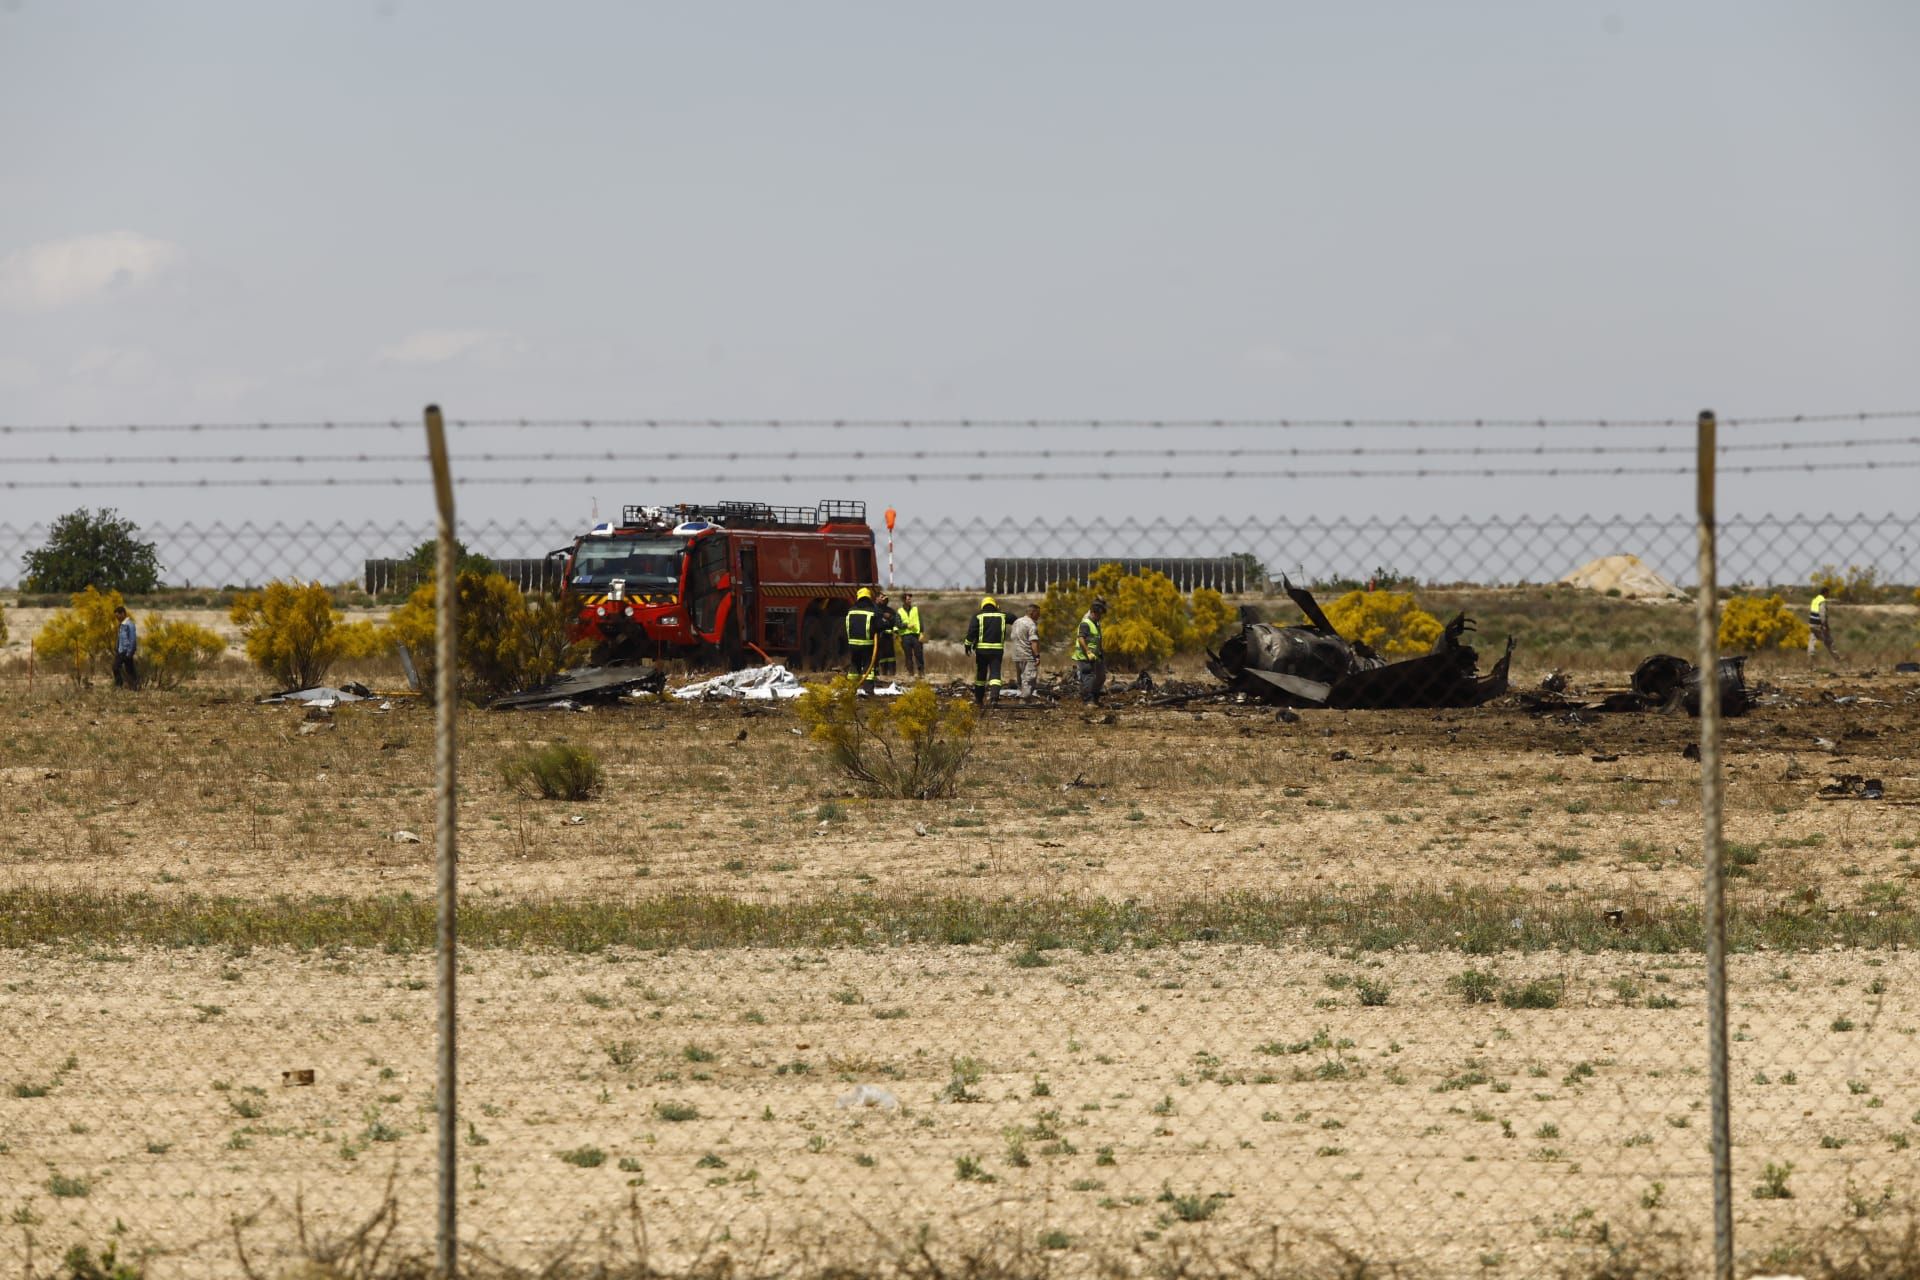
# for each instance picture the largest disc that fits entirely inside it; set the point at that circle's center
(1169, 985)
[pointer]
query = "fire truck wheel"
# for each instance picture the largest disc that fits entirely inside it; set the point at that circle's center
(815, 647)
(733, 655)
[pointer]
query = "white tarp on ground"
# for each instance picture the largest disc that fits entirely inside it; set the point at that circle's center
(756, 684)
(1630, 576)
(759, 684)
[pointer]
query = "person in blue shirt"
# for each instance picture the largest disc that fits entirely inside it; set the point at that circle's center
(126, 675)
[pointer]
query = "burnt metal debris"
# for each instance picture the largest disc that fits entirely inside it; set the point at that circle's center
(586, 685)
(1662, 682)
(1313, 665)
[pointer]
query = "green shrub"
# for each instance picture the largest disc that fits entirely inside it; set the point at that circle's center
(1476, 986)
(1541, 993)
(1372, 994)
(81, 1264)
(912, 747)
(557, 771)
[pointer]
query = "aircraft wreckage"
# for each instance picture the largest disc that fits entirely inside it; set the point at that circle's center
(1313, 665)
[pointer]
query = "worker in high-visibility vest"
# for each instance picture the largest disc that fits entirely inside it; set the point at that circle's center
(1819, 626)
(861, 621)
(1090, 652)
(987, 642)
(913, 650)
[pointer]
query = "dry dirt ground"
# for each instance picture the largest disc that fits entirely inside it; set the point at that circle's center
(1072, 1097)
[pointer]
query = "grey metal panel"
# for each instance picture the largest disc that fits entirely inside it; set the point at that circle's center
(1026, 575)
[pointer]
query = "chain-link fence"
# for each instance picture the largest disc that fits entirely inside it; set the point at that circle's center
(1252, 553)
(1359, 945)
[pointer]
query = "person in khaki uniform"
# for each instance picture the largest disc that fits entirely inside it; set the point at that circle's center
(1023, 647)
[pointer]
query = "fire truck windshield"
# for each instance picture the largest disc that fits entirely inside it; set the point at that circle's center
(642, 562)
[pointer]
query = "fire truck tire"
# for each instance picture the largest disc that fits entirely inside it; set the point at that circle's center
(733, 654)
(816, 645)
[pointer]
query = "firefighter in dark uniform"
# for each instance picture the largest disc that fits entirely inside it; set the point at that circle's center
(887, 629)
(861, 626)
(987, 642)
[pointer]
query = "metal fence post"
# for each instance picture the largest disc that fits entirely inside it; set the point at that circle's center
(1711, 795)
(446, 700)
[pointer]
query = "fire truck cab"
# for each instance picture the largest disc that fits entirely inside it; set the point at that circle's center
(722, 584)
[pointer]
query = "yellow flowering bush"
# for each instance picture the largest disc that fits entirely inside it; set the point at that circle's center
(1751, 623)
(1148, 621)
(79, 639)
(1387, 621)
(912, 747)
(505, 642)
(173, 650)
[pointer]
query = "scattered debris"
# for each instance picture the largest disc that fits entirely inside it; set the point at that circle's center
(1907, 668)
(1851, 786)
(865, 1097)
(404, 837)
(1556, 682)
(296, 1078)
(322, 696)
(1690, 752)
(759, 684)
(585, 686)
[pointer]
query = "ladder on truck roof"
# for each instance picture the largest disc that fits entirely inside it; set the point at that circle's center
(760, 515)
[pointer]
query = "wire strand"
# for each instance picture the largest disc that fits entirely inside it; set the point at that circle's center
(954, 455)
(917, 478)
(952, 424)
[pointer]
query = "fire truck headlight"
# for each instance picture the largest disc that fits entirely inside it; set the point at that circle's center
(601, 610)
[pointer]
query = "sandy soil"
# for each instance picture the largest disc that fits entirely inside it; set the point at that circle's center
(208, 793)
(1474, 1138)
(1479, 1139)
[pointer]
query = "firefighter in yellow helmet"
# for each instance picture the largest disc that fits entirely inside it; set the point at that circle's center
(987, 642)
(861, 627)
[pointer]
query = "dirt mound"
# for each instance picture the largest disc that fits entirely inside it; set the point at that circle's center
(1630, 577)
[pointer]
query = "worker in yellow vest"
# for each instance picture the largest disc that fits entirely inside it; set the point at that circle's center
(987, 642)
(860, 637)
(913, 650)
(1090, 652)
(1819, 626)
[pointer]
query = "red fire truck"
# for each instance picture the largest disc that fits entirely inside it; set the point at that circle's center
(721, 584)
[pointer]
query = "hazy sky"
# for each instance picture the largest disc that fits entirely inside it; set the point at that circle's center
(220, 211)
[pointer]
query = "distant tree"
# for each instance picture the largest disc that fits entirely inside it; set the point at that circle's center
(425, 558)
(98, 549)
